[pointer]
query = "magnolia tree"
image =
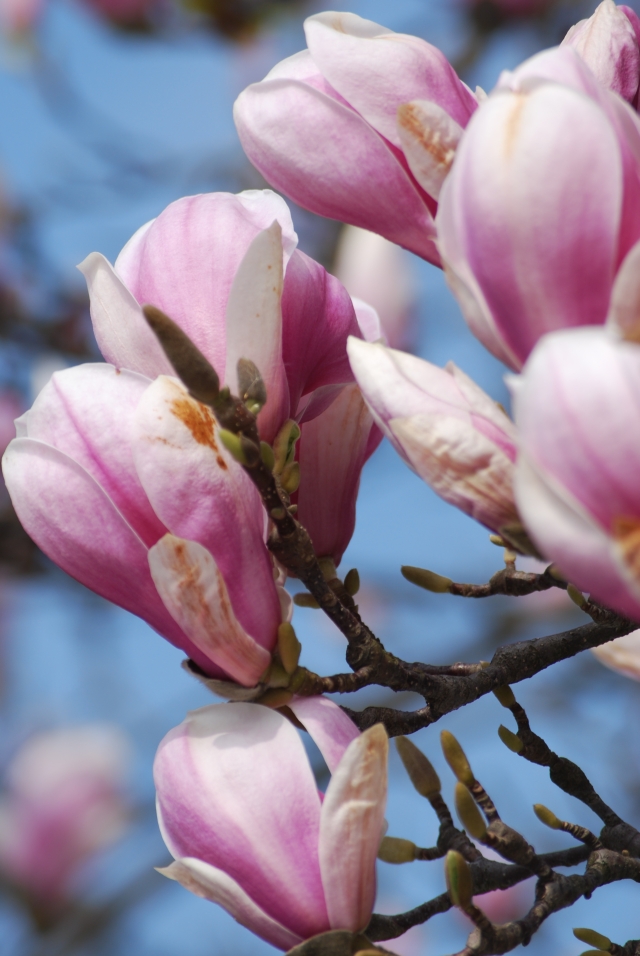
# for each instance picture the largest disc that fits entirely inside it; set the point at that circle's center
(218, 451)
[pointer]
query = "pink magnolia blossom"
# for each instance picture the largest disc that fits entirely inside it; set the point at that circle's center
(542, 204)
(376, 271)
(240, 812)
(446, 428)
(608, 43)
(119, 475)
(361, 127)
(63, 803)
(18, 17)
(577, 408)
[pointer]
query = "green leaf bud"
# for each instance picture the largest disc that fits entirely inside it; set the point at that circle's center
(352, 582)
(284, 445)
(601, 943)
(421, 773)
(395, 850)
(251, 386)
(456, 758)
(470, 817)
(509, 739)
(548, 818)
(275, 697)
(576, 596)
(505, 695)
(459, 881)
(266, 453)
(428, 580)
(303, 599)
(233, 444)
(289, 647)
(191, 367)
(290, 477)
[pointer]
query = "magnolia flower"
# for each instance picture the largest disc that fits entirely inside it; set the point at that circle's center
(63, 803)
(240, 812)
(542, 204)
(361, 127)
(446, 428)
(577, 408)
(608, 43)
(377, 271)
(120, 477)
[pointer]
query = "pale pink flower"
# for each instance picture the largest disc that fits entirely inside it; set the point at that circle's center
(361, 127)
(378, 272)
(113, 457)
(240, 812)
(18, 17)
(608, 43)
(542, 204)
(577, 408)
(63, 803)
(453, 435)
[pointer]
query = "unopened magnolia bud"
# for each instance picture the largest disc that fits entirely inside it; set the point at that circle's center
(459, 882)
(284, 444)
(266, 453)
(428, 580)
(302, 599)
(545, 816)
(456, 758)
(509, 739)
(289, 647)
(290, 477)
(601, 943)
(191, 367)
(576, 596)
(275, 697)
(470, 817)
(352, 582)
(395, 850)
(505, 695)
(421, 773)
(252, 389)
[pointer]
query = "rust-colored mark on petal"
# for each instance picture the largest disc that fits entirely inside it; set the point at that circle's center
(200, 422)
(428, 137)
(626, 532)
(512, 127)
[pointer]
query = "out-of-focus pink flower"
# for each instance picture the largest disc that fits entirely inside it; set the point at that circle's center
(622, 655)
(361, 127)
(18, 17)
(240, 812)
(445, 427)
(608, 43)
(63, 803)
(377, 271)
(542, 204)
(577, 408)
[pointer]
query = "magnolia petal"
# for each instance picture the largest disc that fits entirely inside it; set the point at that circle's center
(87, 412)
(235, 790)
(607, 43)
(624, 311)
(215, 885)
(254, 325)
(332, 451)
(201, 494)
(622, 655)
(351, 827)
(120, 328)
(461, 465)
(70, 517)
(195, 594)
(429, 138)
(327, 724)
(568, 536)
(376, 70)
(185, 260)
(332, 162)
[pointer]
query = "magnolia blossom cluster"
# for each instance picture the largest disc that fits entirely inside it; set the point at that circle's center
(529, 199)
